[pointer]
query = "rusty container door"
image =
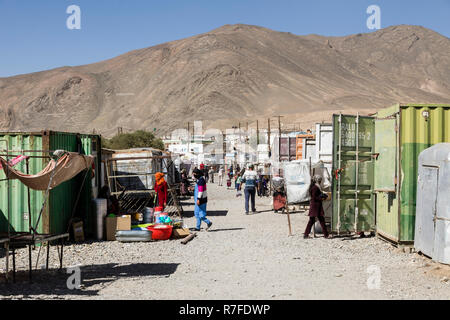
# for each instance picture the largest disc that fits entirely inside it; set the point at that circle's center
(353, 174)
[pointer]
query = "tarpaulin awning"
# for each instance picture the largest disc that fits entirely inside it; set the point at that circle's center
(67, 167)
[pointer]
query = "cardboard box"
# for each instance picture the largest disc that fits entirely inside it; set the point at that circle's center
(78, 232)
(180, 233)
(117, 223)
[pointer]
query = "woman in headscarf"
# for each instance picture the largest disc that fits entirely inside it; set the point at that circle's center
(161, 189)
(200, 199)
(315, 207)
(184, 187)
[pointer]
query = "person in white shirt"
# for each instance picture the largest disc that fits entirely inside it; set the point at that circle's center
(249, 178)
(220, 176)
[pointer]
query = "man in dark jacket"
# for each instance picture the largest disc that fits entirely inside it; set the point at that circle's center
(316, 207)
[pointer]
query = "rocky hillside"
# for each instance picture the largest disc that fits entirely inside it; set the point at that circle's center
(234, 73)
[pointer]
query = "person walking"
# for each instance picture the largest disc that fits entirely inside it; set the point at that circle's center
(259, 183)
(220, 175)
(316, 207)
(249, 178)
(211, 174)
(200, 199)
(184, 183)
(238, 185)
(161, 189)
(204, 169)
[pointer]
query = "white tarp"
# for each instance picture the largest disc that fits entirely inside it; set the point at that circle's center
(297, 178)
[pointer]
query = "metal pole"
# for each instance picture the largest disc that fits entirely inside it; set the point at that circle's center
(61, 258)
(8, 188)
(29, 262)
(14, 264)
(7, 260)
(338, 178)
(48, 255)
(29, 200)
(356, 171)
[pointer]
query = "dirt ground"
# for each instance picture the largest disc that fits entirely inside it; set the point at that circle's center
(242, 257)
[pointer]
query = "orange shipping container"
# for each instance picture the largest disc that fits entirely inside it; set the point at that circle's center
(300, 138)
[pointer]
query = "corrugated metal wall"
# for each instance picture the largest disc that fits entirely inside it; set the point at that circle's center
(62, 198)
(19, 212)
(420, 126)
(417, 133)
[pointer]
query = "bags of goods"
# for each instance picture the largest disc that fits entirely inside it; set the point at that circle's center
(277, 182)
(296, 174)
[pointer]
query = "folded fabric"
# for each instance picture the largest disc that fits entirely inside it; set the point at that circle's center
(15, 161)
(67, 167)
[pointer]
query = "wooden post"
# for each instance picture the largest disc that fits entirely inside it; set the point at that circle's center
(288, 217)
(188, 238)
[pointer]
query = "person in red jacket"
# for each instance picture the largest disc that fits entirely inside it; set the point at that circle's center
(161, 189)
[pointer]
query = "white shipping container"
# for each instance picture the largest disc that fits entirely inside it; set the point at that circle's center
(324, 144)
(432, 229)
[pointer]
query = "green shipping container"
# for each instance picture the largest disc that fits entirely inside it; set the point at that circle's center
(353, 174)
(62, 199)
(402, 132)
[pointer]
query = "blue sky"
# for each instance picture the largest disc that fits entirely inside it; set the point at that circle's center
(34, 36)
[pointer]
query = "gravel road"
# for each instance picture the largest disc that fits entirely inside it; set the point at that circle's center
(242, 257)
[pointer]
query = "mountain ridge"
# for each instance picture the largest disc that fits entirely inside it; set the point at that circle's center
(233, 73)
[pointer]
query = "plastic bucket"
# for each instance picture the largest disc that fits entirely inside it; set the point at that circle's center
(148, 215)
(160, 231)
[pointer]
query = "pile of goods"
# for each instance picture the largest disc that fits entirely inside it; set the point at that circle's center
(152, 224)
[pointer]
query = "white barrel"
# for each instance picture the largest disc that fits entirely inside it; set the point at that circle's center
(100, 209)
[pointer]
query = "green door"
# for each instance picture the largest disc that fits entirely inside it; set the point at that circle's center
(386, 177)
(353, 174)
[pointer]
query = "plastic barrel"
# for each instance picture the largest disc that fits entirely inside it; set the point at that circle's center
(133, 235)
(148, 215)
(100, 210)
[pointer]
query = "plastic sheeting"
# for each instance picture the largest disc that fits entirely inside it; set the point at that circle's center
(297, 179)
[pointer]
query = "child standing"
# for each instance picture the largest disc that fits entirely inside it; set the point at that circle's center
(238, 185)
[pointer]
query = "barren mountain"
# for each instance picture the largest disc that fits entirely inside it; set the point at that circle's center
(234, 73)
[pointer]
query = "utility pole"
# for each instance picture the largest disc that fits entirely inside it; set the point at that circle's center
(257, 133)
(279, 142)
(224, 148)
(268, 133)
(189, 139)
(279, 125)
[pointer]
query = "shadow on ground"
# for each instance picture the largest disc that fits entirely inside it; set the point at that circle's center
(229, 229)
(54, 282)
(209, 213)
